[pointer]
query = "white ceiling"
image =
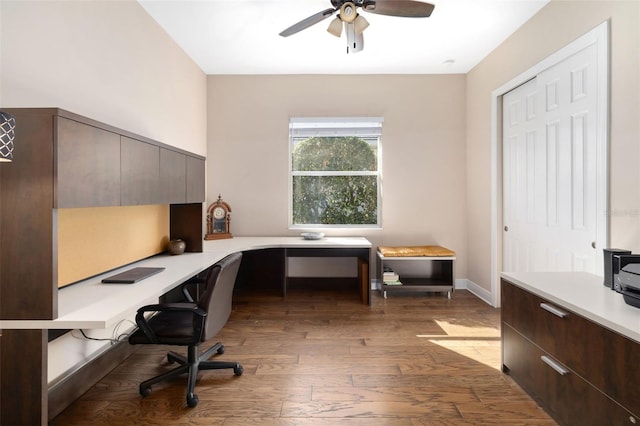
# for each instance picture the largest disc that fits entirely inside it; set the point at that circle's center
(241, 36)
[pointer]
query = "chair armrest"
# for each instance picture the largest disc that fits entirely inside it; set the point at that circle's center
(143, 323)
(185, 291)
(176, 306)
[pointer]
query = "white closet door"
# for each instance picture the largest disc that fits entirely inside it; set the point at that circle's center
(550, 169)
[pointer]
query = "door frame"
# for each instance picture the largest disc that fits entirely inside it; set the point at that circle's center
(600, 37)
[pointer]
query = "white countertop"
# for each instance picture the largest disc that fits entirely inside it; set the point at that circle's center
(255, 243)
(90, 304)
(586, 295)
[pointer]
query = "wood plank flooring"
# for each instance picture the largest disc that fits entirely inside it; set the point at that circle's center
(322, 358)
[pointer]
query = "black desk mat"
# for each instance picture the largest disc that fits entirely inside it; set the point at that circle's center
(132, 275)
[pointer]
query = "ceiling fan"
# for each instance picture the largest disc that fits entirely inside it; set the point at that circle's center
(354, 24)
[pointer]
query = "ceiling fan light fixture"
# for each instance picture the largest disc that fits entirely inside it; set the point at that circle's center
(335, 27)
(348, 12)
(360, 24)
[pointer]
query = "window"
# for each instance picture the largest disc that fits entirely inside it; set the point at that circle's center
(335, 172)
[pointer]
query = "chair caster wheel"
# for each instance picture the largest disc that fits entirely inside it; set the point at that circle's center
(238, 370)
(192, 400)
(145, 391)
(220, 350)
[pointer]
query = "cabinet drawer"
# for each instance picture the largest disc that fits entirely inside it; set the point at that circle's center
(521, 360)
(560, 391)
(607, 360)
(540, 321)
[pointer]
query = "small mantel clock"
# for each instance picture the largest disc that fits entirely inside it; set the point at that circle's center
(218, 217)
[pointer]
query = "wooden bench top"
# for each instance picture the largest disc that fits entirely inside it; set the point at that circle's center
(415, 251)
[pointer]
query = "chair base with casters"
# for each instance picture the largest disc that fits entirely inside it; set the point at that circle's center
(190, 324)
(191, 365)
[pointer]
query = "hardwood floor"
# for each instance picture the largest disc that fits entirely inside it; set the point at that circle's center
(322, 358)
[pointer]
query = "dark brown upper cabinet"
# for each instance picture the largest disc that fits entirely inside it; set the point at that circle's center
(87, 165)
(139, 173)
(195, 180)
(173, 177)
(98, 166)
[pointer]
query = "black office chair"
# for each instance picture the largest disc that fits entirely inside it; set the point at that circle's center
(189, 324)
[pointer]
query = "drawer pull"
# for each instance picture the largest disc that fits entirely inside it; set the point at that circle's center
(555, 365)
(555, 311)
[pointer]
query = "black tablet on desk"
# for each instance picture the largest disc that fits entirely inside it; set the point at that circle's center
(132, 275)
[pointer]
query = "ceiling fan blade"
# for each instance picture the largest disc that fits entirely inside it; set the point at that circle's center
(306, 23)
(403, 8)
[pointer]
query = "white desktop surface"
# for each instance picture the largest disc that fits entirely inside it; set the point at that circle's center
(90, 304)
(586, 295)
(256, 243)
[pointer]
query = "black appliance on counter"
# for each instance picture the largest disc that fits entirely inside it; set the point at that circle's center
(611, 264)
(622, 274)
(629, 280)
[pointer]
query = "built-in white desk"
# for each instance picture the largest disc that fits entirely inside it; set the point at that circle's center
(90, 304)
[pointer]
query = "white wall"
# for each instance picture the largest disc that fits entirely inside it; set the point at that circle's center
(110, 61)
(107, 60)
(423, 151)
(555, 26)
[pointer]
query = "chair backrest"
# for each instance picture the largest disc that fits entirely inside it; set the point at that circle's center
(217, 299)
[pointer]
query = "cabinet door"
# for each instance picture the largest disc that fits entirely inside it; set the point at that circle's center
(173, 177)
(140, 173)
(87, 165)
(195, 180)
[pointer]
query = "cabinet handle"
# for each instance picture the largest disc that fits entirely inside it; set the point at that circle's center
(555, 365)
(555, 311)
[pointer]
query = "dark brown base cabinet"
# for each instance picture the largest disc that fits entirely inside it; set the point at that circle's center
(580, 372)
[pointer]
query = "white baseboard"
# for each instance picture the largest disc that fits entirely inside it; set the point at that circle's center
(461, 284)
(480, 292)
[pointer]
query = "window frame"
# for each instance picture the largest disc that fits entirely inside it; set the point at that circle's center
(367, 128)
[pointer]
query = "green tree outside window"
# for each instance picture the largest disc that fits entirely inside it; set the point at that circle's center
(335, 181)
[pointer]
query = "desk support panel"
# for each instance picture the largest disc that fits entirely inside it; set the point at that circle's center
(362, 254)
(267, 270)
(23, 363)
